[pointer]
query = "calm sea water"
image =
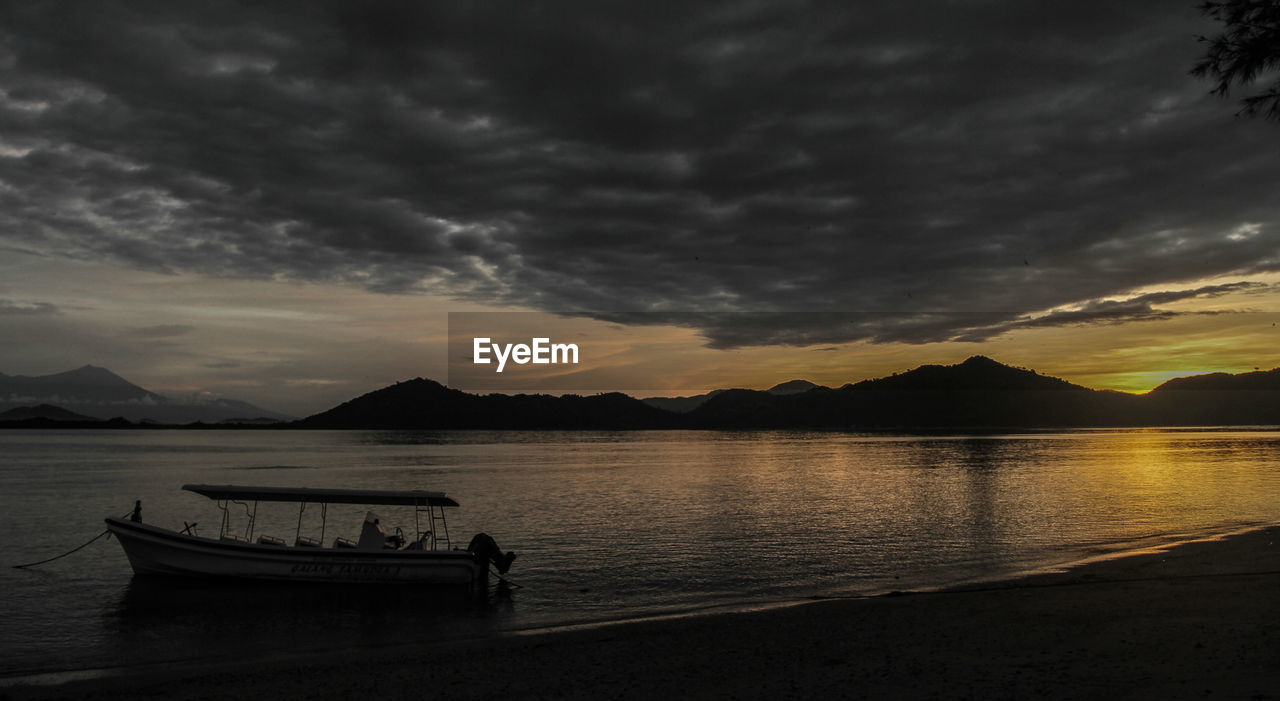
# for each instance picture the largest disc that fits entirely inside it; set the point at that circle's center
(608, 525)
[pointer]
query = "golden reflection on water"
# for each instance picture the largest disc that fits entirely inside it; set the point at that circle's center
(932, 498)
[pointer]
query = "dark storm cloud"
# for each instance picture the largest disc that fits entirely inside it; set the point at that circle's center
(1115, 311)
(741, 329)
(922, 159)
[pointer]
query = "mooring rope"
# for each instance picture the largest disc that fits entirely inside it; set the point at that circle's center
(136, 509)
(503, 578)
(33, 564)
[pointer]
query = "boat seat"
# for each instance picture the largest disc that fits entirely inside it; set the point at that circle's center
(234, 537)
(343, 543)
(305, 542)
(270, 540)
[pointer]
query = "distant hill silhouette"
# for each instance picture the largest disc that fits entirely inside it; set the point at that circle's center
(1265, 380)
(1218, 398)
(682, 405)
(792, 387)
(43, 411)
(978, 373)
(84, 385)
(978, 393)
(256, 421)
(423, 403)
(98, 393)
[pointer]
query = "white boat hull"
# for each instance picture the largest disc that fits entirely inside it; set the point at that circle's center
(152, 550)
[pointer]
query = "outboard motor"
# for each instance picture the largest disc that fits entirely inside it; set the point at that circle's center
(486, 548)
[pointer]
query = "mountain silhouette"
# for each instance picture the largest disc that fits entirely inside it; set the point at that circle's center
(682, 405)
(977, 394)
(42, 411)
(792, 387)
(421, 403)
(1266, 380)
(978, 373)
(1217, 399)
(84, 385)
(98, 393)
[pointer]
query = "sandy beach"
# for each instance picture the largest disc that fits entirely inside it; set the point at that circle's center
(1196, 621)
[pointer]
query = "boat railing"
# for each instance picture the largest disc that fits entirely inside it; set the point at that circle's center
(224, 529)
(305, 541)
(434, 537)
(438, 525)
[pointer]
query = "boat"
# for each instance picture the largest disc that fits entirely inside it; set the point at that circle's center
(379, 555)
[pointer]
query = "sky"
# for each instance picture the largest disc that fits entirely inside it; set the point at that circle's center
(282, 202)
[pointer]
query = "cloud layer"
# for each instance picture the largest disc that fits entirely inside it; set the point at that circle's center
(1003, 158)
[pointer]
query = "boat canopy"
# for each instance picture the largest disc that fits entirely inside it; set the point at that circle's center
(395, 497)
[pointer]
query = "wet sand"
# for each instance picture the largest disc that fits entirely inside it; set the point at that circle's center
(1201, 620)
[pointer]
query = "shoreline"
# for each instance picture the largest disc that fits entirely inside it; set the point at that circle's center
(1100, 552)
(1180, 621)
